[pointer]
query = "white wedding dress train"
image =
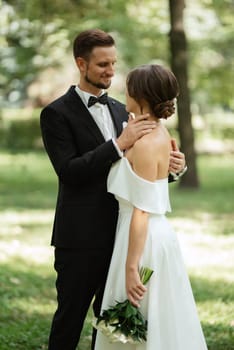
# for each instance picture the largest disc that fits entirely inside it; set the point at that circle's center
(168, 304)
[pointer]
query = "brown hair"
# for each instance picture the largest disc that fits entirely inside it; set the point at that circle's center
(85, 42)
(157, 86)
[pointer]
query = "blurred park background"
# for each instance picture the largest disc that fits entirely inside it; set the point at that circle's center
(196, 39)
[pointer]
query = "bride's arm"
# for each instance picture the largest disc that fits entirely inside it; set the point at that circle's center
(137, 236)
(144, 164)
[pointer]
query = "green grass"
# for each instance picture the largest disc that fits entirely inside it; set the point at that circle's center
(203, 219)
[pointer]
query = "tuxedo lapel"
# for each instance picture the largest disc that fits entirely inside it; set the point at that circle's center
(115, 114)
(81, 114)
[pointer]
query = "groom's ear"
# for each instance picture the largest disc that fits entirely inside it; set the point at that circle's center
(81, 64)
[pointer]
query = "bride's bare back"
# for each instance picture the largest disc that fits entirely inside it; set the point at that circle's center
(149, 156)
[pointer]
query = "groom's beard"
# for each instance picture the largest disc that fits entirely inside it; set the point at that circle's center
(98, 85)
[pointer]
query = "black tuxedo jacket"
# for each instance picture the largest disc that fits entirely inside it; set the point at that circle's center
(85, 214)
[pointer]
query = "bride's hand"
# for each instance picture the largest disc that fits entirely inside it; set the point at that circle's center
(134, 287)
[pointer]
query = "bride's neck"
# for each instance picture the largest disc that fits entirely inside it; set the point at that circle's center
(146, 110)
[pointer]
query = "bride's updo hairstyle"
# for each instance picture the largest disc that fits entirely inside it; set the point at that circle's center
(157, 86)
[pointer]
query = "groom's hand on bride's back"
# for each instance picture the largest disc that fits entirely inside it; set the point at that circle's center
(177, 163)
(136, 127)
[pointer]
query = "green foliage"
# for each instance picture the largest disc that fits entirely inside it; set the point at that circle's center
(216, 177)
(211, 56)
(23, 134)
(26, 181)
(126, 320)
(20, 130)
(37, 34)
(27, 47)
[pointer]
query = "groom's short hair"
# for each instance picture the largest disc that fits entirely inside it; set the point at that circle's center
(85, 42)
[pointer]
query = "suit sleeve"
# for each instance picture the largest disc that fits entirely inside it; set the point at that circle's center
(171, 178)
(71, 167)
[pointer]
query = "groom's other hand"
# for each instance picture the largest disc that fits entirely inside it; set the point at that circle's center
(177, 159)
(136, 127)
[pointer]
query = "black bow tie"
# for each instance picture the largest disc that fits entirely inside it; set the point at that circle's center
(101, 99)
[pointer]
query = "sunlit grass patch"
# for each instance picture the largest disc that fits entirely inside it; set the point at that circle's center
(27, 303)
(26, 235)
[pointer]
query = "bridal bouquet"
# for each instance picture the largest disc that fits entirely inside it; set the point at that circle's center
(124, 322)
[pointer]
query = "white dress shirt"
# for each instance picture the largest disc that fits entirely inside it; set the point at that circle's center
(101, 116)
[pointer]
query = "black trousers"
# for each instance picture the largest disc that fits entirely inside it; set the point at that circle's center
(81, 275)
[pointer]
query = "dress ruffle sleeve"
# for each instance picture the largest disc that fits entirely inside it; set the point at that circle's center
(152, 197)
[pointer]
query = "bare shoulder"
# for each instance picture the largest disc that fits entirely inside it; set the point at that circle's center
(152, 143)
(150, 154)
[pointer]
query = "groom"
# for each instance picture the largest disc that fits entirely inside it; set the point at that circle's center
(83, 135)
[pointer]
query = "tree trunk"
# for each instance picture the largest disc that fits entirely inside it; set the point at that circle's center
(179, 65)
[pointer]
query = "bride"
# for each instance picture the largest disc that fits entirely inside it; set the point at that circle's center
(144, 236)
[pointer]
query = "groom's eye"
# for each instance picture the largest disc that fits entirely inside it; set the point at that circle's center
(103, 64)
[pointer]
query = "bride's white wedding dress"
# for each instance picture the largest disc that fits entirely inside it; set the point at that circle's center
(168, 304)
